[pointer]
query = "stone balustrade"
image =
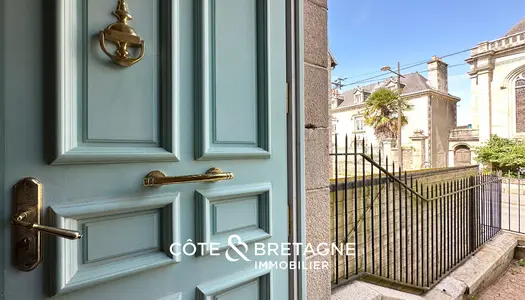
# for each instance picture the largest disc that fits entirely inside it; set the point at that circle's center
(499, 44)
(464, 134)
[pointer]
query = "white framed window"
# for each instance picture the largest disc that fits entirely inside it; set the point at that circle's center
(359, 124)
(358, 98)
(334, 125)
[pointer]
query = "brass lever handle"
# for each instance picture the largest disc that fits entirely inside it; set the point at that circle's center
(18, 220)
(157, 178)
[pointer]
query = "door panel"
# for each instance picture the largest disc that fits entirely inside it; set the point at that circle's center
(121, 237)
(211, 82)
(234, 73)
(244, 285)
(215, 208)
(462, 156)
(93, 91)
(136, 89)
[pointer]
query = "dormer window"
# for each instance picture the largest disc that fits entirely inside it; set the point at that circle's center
(336, 101)
(359, 95)
(392, 85)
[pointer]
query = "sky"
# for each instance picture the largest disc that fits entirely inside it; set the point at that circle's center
(368, 34)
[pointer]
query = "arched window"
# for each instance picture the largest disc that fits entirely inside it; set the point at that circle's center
(520, 103)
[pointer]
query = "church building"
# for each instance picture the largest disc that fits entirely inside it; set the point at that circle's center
(497, 80)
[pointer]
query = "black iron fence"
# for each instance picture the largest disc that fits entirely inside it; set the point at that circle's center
(409, 231)
(513, 207)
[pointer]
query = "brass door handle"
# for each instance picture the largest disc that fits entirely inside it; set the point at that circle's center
(28, 198)
(157, 178)
(18, 220)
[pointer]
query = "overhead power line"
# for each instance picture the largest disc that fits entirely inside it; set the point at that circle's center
(456, 53)
(426, 61)
(419, 63)
(339, 83)
(372, 79)
(408, 66)
(367, 79)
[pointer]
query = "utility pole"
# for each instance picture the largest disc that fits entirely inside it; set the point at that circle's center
(399, 121)
(399, 111)
(338, 83)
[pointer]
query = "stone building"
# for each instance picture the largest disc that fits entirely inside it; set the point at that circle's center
(426, 136)
(497, 80)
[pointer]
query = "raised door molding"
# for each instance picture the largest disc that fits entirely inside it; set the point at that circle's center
(249, 284)
(243, 210)
(232, 91)
(73, 145)
(120, 237)
(176, 296)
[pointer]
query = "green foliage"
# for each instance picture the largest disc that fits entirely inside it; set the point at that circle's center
(522, 262)
(502, 154)
(381, 112)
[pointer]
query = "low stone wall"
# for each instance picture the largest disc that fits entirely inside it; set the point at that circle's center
(424, 176)
(408, 154)
(477, 272)
(375, 196)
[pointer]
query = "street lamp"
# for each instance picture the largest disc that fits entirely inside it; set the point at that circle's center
(400, 149)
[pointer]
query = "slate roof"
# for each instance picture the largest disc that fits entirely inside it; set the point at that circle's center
(411, 83)
(333, 61)
(349, 95)
(520, 27)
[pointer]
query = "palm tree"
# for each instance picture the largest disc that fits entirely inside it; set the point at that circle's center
(381, 112)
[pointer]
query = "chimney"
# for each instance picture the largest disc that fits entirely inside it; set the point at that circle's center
(438, 74)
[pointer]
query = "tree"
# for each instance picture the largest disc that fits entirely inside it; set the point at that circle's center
(502, 154)
(381, 112)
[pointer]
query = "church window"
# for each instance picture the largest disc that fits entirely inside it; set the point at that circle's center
(520, 104)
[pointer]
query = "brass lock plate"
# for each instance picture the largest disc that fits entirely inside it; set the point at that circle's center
(27, 196)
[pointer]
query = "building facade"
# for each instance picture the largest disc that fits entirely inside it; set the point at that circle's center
(429, 121)
(497, 80)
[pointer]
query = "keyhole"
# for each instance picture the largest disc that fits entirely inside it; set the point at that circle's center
(26, 244)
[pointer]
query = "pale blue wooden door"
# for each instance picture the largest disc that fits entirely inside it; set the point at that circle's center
(209, 92)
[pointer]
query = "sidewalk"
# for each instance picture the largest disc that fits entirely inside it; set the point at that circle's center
(509, 286)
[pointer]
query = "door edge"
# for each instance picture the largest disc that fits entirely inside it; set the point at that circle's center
(3, 235)
(295, 136)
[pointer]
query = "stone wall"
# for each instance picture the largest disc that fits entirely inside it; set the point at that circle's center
(317, 164)
(408, 153)
(443, 120)
(396, 216)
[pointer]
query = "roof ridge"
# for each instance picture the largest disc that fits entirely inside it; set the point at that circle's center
(519, 27)
(372, 85)
(421, 76)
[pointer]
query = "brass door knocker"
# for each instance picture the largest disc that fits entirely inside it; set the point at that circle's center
(124, 37)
